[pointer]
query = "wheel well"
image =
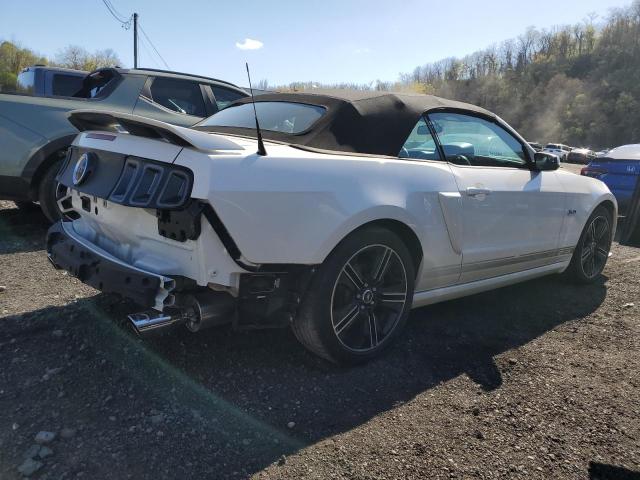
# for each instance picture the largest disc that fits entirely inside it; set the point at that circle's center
(406, 234)
(40, 161)
(608, 204)
(42, 169)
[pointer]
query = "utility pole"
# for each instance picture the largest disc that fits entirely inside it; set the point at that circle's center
(135, 40)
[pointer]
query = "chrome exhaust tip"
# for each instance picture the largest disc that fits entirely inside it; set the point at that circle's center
(197, 311)
(151, 321)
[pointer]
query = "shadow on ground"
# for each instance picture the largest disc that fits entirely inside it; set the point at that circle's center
(601, 471)
(227, 397)
(22, 230)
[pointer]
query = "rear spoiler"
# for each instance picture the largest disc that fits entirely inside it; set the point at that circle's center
(117, 122)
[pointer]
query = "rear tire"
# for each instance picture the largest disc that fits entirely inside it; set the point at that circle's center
(47, 195)
(359, 298)
(26, 205)
(592, 251)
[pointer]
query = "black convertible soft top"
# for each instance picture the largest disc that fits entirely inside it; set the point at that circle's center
(366, 122)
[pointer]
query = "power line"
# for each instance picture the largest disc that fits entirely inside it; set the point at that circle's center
(144, 45)
(153, 46)
(126, 23)
(113, 14)
(115, 10)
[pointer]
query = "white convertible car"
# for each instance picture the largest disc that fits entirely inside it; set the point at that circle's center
(355, 208)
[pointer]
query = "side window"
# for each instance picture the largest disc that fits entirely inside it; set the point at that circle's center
(420, 144)
(98, 84)
(225, 97)
(66, 85)
(181, 96)
(26, 81)
(469, 140)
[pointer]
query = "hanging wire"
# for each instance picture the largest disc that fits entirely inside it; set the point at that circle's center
(144, 46)
(112, 9)
(126, 23)
(153, 46)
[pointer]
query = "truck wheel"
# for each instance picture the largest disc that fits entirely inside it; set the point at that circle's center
(592, 251)
(359, 298)
(47, 193)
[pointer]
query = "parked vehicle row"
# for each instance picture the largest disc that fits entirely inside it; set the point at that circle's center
(35, 133)
(339, 215)
(562, 151)
(565, 153)
(580, 155)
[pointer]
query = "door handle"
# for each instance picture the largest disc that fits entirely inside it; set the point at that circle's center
(474, 192)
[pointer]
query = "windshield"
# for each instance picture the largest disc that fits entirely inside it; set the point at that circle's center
(285, 117)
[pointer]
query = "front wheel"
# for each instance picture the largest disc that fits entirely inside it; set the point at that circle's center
(592, 251)
(359, 299)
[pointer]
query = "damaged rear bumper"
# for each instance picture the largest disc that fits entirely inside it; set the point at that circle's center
(90, 264)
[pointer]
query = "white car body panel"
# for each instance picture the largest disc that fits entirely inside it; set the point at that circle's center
(521, 213)
(131, 234)
(429, 297)
(294, 206)
(583, 197)
(303, 214)
(624, 152)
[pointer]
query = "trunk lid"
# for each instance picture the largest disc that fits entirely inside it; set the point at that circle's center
(129, 160)
(138, 126)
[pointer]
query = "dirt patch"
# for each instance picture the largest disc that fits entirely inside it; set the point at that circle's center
(538, 380)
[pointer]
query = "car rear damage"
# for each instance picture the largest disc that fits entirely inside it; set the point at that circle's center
(136, 227)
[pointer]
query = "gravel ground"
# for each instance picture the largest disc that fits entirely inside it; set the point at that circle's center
(538, 380)
(572, 167)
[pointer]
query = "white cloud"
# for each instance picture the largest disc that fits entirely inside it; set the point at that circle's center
(360, 51)
(249, 44)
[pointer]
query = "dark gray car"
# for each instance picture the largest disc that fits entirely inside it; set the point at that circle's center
(35, 132)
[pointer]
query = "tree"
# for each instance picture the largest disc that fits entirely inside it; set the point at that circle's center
(78, 58)
(8, 81)
(575, 84)
(14, 58)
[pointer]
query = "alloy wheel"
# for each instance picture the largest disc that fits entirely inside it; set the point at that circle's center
(369, 298)
(595, 247)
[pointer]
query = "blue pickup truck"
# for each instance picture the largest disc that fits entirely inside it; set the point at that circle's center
(43, 81)
(619, 169)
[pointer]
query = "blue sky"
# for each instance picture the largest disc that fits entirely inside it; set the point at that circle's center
(326, 41)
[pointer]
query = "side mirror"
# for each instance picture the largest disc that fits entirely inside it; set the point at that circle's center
(546, 161)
